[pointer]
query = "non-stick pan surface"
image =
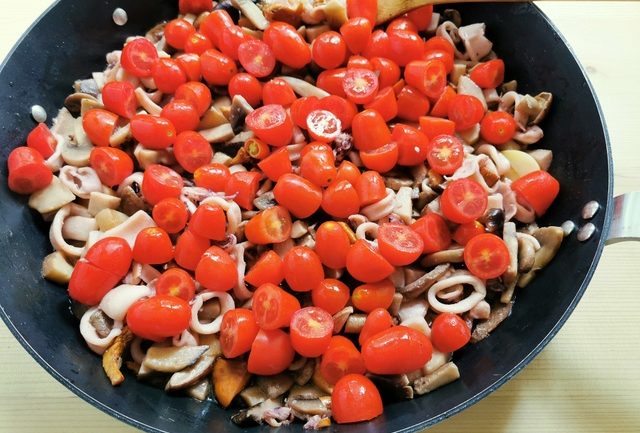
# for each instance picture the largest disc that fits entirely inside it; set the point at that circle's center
(70, 41)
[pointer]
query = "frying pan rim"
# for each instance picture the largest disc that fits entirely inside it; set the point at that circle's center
(428, 422)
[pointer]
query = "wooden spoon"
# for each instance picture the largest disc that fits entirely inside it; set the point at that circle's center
(388, 9)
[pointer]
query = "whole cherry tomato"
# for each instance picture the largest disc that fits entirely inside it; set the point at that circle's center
(329, 50)
(356, 33)
(412, 104)
(192, 151)
(278, 91)
(212, 176)
(381, 159)
(217, 68)
(434, 232)
(120, 98)
(370, 130)
(368, 297)
(465, 232)
(182, 114)
(498, 127)
(377, 320)
(340, 199)
(332, 244)
(465, 111)
(246, 86)
(153, 132)
(385, 103)
(99, 125)
(168, 75)
(209, 221)
(370, 188)
(340, 358)
(160, 182)
(412, 144)
(287, 45)
(406, 46)
(177, 31)
(189, 250)
(197, 43)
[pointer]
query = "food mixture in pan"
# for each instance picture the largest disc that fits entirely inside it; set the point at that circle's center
(290, 209)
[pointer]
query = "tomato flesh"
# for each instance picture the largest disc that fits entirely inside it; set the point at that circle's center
(463, 201)
(311, 330)
(486, 256)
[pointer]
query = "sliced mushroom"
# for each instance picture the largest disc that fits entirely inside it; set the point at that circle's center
(172, 359)
(240, 108)
(459, 70)
(55, 196)
(466, 86)
(218, 134)
(454, 254)
(303, 375)
(307, 392)
(56, 268)
(510, 239)
(355, 323)
(212, 118)
(250, 10)
(73, 102)
(396, 302)
(403, 204)
(201, 390)
(340, 319)
(393, 387)
(112, 357)
(497, 316)
(543, 157)
(320, 381)
(303, 88)
(544, 100)
(305, 408)
(438, 359)
(287, 11)
(550, 239)
(442, 376)
(253, 395)
(203, 366)
(526, 255)
(275, 386)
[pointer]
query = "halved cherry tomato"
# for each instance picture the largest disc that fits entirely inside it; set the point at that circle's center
(445, 154)
(340, 358)
(331, 295)
(311, 329)
(368, 297)
(212, 176)
(192, 151)
(359, 62)
(189, 250)
(441, 107)
(217, 68)
(168, 75)
(439, 43)
(276, 164)
(190, 64)
(120, 98)
(344, 110)
(209, 221)
(159, 317)
(99, 125)
(354, 399)
(356, 33)
(434, 232)
(399, 244)
(366, 264)
(42, 139)
(537, 190)
(111, 254)
(89, 283)
(401, 23)
(465, 232)
(216, 270)
(177, 31)
(214, 23)
(302, 269)
(340, 199)
(138, 58)
(360, 85)
(171, 214)
(176, 282)
(381, 159)
(287, 45)
(268, 269)
(449, 332)
(160, 182)
(194, 6)
(429, 77)
(377, 320)
(378, 45)
(488, 75)
(300, 109)
(197, 43)
(182, 114)
(412, 104)
(348, 171)
(243, 187)
(486, 256)
(231, 39)
(421, 17)
(332, 245)
(270, 226)
(27, 171)
(317, 166)
(370, 130)
(246, 86)
(463, 201)
(271, 353)
(406, 46)
(370, 188)
(397, 350)
(443, 56)
(332, 80)
(412, 144)
(299, 196)
(153, 132)
(363, 8)
(465, 111)
(384, 103)
(273, 307)
(237, 332)
(111, 164)
(388, 71)
(498, 127)
(278, 91)
(152, 247)
(272, 124)
(256, 58)
(329, 50)
(323, 126)
(434, 126)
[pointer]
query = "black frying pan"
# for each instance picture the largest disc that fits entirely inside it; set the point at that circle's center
(71, 40)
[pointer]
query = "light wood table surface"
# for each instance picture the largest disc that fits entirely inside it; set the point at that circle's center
(586, 380)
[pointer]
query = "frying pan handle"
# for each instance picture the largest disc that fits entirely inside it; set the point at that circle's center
(625, 225)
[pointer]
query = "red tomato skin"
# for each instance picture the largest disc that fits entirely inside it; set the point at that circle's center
(278, 91)
(311, 343)
(465, 232)
(331, 81)
(353, 82)
(217, 68)
(27, 171)
(348, 171)
(243, 186)
(273, 272)
(434, 126)
(99, 124)
(287, 45)
(160, 182)
(89, 283)
(302, 269)
(237, 332)
(377, 320)
(192, 151)
(488, 75)
(153, 132)
(42, 139)
(209, 221)
(378, 45)
(176, 282)
(112, 254)
(159, 317)
(498, 127)
(399, 244)
(182, 114)
(197, 44)
(329, 50)
(190, 64)
(112, 165)
(119, 97)
(168, 75)
(421, 17)
(299, 196)
(212, 176)
(213, 25)
(382, 159)
(449, 332)
(231, 39)
(451, 208)
(276, 165)
(363, 8)
(171, 215)
(370, 131)
(412, 144)
(216, 270)
(272, 225)
(406, 46)
(256, 58)
(465, 111)
(434, 232)
(388, 70)
(412, 104)
(246, 86)
(367, 265)
(429, 77)
(331, 295)
(397, 350)
(340, 358)
(177, 31)
(261, 358)
(152, 247)
(189, 250)
(537, 189)
(273, 307)
(356, 33)
(332, 245)
(384, 103)
(368, 297)
(355, 399)
(370, 188)
(194, 6)
(272, 124)
(340, 200)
